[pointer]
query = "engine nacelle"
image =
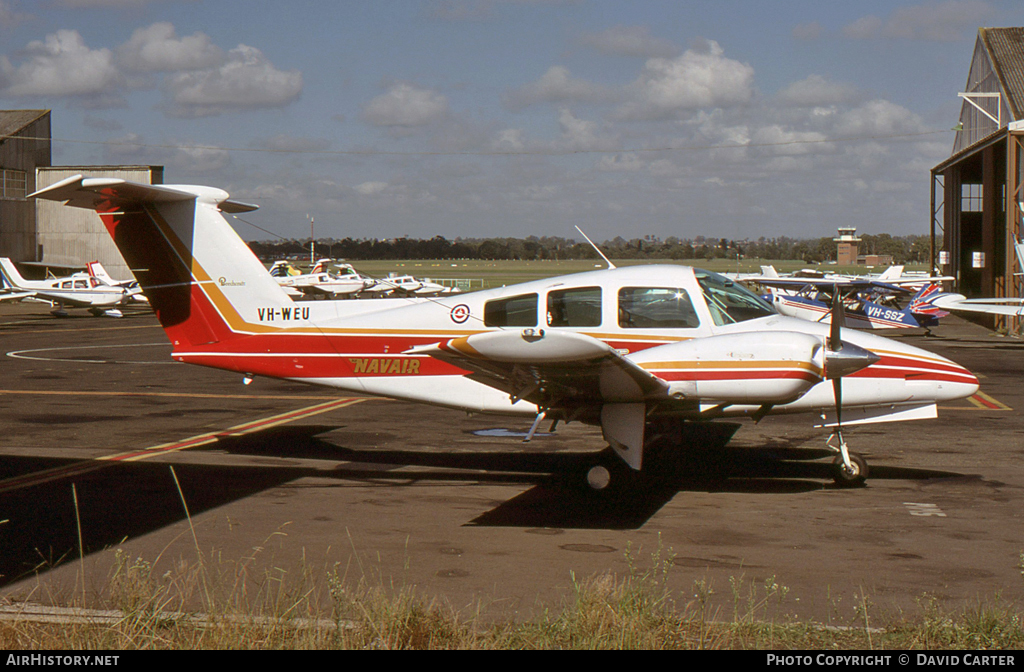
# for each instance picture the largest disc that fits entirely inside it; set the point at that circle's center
(771, 367)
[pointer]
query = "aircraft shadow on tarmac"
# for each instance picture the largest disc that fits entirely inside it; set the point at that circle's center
(118, 501)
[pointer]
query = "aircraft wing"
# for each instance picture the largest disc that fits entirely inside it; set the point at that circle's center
(82, 300)
(312, 290)
(14, 295)
(845, 284)
(959, 303)
(550, 368)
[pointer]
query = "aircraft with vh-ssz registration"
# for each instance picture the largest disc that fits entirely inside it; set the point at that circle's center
(868, 304)
(637, 351)
(79, 290)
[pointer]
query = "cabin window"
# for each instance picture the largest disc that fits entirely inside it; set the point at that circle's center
(515, 311)
(730, 302)
(656, 308)
(580, 307)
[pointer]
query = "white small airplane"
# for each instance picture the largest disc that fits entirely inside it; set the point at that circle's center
(95, 270)
(78, 290)
(407, 285)
(320, 282)
(643, 352)
(791, 284)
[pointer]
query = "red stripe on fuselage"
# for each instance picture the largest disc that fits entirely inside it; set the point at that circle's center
(736, 375)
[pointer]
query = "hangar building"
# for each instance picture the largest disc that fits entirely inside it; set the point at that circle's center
(44, 233)
(972, 228)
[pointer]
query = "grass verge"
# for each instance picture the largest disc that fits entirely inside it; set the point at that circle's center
(310, 609)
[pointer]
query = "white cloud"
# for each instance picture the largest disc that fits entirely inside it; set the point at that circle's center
(626, 163)
(775, 139)
(814, 91)
(158, 49)
(11, 17)
(807, 31)
(509, 140)
(193, 159)
(943, 22)
(287, 143)
(556, 86)
(630, 41)
(878, 117)
(934, 21)
(407, 106)
(247, 80)
(699, 78)
(580, 134)
(62, 65)
(864, 28)
(371, 188)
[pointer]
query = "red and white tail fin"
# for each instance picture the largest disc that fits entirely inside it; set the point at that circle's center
(202, 280)
(97, 271)
(921, 303)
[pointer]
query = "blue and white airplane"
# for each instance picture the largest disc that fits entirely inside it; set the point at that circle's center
(813, 301)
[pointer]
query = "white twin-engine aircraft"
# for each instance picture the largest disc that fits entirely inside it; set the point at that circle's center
(632, 350)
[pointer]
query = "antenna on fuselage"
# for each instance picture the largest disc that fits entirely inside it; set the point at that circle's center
(596, 248)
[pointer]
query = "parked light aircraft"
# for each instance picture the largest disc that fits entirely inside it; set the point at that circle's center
(319, 282)
(632, 350)
(78, 290)
(867, 304)
(96, 270)
(407, 285)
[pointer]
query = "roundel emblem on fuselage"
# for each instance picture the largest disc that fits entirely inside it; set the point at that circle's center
(460, 313)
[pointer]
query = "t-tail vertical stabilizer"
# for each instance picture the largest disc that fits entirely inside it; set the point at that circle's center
(198, 273)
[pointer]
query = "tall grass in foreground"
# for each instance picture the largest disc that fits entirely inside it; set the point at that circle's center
(243, 608)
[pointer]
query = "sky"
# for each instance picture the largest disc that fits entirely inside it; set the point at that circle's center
(735, 119)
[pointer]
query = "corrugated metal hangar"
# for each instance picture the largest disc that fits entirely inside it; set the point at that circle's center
(43, 233)
(972, 188)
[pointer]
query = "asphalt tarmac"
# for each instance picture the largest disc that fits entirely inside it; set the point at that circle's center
(110, 449)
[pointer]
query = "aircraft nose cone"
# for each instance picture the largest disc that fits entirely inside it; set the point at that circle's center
(849, 358)
(946, 379)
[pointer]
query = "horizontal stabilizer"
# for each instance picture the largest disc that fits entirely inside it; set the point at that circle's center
(94, 192)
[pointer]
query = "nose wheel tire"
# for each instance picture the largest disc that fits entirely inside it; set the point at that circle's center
(853, 477)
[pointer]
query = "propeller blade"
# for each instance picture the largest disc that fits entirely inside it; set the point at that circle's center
(838, 320)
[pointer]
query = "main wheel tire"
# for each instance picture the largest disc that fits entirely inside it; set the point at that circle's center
(850, 479)
(598, 477)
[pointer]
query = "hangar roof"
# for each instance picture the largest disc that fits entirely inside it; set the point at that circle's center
(12, 121)
(1005, 47)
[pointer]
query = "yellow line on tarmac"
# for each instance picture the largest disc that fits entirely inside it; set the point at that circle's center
(86, 466)
(987, 403)
(11, 325)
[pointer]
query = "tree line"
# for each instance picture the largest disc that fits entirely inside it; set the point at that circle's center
(902, 249)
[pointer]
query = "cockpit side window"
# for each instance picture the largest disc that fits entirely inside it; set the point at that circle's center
(656, 308)
(579, 307)
(729, 302)
(515, 311)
